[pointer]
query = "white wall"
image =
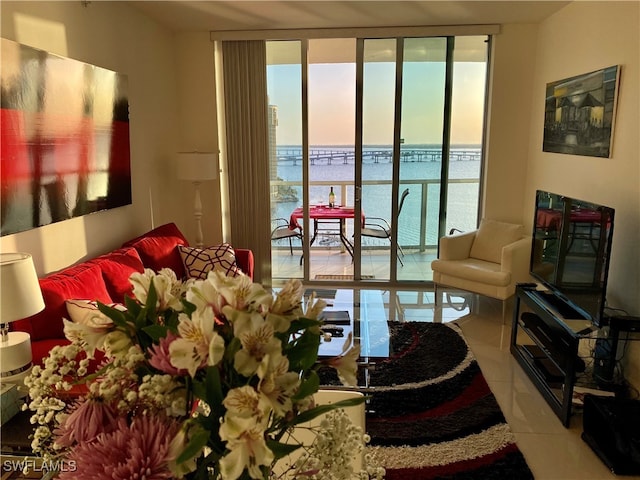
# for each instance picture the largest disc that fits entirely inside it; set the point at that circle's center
(117, 37)
(198, 126)
(508, 125)
(583, 37)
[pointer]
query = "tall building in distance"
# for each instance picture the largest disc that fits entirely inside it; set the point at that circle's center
(272, 124)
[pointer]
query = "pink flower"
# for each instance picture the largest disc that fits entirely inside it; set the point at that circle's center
(160, 357)
(89, 419)
(138, 450)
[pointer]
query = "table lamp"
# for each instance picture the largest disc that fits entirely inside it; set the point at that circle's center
(20, 297)
(197, 167)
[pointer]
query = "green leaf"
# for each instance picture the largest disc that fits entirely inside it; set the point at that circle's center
(309, 386)
(303, 324)
(232, 348)
(281, 449)
(132, 305)
(118, 317)
(155, 332)
(188, 307)
(197, 442)
(215, 396)
(149, 313)
(303, 353)
(322, 409)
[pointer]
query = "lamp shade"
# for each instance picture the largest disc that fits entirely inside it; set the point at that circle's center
(21, 296)
(197, 166)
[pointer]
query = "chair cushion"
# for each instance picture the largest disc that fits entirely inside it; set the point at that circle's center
(491, 237)
(473, 270)
(198, 262)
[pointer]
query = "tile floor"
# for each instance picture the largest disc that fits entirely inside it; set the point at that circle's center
(552, 451)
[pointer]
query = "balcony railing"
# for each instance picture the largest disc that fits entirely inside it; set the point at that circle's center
(420, 228)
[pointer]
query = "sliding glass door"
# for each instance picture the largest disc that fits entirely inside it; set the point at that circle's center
(394, 127)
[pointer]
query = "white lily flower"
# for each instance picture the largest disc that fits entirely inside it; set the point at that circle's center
(176, 447)
(256, 336)
(240, 292)
(279, 385)
(247, 448)
(91, 334)
(141, 282)
(168, 288)
(203, 294)
(117, 343)
(346, 363)
(246, 402)
(192, 349)
(286, 306)
(314, 307)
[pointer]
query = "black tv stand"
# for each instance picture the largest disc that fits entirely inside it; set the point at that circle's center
(545, 344)
(558, 304)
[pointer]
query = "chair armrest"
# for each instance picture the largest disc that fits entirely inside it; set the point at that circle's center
(515, 259)
(379, 223)
(456, 247)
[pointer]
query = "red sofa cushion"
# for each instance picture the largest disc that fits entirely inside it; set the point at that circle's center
(158, 248)
(83, 281)
(117, 267)
(245, 261)
(40, 349)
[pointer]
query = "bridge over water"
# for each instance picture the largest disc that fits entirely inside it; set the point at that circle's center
(332, 157)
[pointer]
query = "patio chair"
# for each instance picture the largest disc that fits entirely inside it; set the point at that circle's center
(376, 227)
(282, 231)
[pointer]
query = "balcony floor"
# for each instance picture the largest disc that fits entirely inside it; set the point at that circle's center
(330, 261)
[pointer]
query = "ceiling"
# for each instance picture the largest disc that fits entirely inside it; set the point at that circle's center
(234, 15)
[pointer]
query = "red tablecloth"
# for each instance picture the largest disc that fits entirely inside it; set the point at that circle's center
(550, 219)
(322, 212)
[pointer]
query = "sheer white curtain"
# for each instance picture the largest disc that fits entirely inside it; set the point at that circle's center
(247, 154)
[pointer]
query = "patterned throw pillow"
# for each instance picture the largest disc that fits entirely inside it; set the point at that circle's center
(81, 311)
(198, 262)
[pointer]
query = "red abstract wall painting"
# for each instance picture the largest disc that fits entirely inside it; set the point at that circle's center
(64, 144)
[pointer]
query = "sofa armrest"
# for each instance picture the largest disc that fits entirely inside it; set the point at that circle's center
(245, 261)
(456, 247)
(515, 259)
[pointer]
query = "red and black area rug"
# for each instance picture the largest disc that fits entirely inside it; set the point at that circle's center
(431, 414)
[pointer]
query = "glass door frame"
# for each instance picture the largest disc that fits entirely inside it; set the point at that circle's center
(396, 154)
(395, 175)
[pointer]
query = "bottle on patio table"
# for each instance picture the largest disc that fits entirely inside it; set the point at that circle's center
(332, 199)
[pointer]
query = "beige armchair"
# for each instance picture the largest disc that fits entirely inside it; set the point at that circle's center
(489, 261)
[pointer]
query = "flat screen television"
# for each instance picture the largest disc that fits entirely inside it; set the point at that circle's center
(571, 248)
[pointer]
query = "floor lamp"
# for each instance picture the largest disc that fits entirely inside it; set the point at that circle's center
(21, 297)
(197, 167)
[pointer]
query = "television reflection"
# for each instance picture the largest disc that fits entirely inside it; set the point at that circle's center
(64, 139)
(571, 250)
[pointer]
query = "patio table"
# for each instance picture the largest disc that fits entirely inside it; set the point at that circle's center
(328, 220)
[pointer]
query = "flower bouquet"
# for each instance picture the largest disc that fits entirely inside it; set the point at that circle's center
(202, 379)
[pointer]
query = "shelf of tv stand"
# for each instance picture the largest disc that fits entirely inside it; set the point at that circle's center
(547, 349)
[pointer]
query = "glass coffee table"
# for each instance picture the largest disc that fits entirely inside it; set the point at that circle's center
(17, 461)
(362, 313)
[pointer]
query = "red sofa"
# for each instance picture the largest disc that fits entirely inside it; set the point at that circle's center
(106, 279)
